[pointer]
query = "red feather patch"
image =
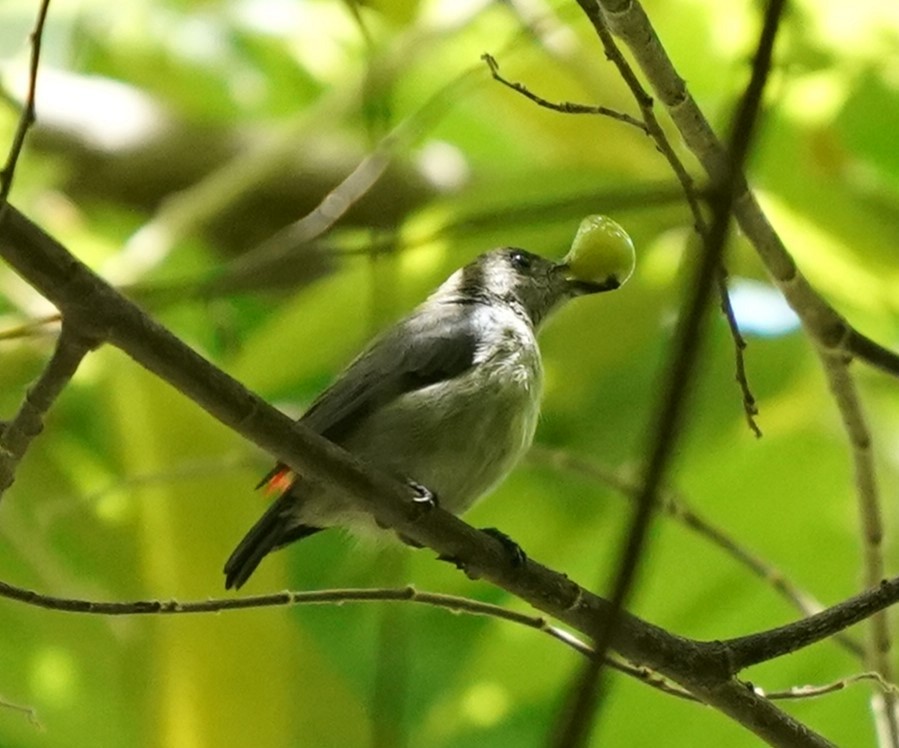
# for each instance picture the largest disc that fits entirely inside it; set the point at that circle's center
(280, 481)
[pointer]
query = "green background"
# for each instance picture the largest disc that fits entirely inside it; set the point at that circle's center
(133, 492)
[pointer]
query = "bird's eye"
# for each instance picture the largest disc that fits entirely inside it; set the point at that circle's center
(521, 260)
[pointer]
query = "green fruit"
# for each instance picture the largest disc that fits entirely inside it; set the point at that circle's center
(601, 251)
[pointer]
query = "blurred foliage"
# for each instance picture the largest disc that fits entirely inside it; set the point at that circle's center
(226, 121)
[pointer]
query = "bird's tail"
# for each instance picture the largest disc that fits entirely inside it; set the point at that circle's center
(274, 530)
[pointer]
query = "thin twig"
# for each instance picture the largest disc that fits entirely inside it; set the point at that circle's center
(566, 107)
(452, 603)
(700, 225)
(807, 692)
(750, 407)
(678, 508)
(28, 112)
(29, 711)
(71, 348)
(30, 328)
(879, 640)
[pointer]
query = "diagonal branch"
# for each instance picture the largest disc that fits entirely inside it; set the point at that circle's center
(879, 640)
(17, 434)
(28, 115)
(755, 648)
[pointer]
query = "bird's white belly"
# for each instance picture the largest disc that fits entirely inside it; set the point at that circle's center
(466, 434)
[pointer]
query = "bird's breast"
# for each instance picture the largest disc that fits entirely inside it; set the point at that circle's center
(461, 436)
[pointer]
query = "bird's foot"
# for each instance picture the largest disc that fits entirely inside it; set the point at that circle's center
(516, 554)
(422, 497)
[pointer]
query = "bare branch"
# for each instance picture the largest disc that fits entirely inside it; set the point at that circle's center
(879, 640)
(28, 114)
(408, 594)
(810, 692)
(766, 645)
(566, 107)
(71, 348)
(750, 408)
(452, 603)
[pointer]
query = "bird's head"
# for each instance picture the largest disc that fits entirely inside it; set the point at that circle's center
(530, 284)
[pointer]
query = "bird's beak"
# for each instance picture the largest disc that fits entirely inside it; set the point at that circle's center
(581, 286)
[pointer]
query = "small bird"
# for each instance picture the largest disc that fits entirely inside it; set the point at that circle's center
(446, 399)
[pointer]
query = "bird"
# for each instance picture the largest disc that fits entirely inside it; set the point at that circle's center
(446, 399)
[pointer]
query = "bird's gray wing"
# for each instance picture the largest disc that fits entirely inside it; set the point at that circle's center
(421, 350)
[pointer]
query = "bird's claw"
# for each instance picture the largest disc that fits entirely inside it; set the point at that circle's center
(423, 497)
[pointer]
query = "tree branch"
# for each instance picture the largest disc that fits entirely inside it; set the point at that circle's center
(452, 603)
(28, 114)
(17, 434)
(565, 107)
(879, 640)
(755, 648)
